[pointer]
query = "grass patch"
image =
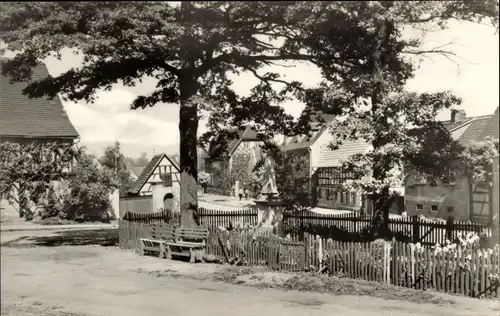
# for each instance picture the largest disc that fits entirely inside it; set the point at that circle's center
(310, 282)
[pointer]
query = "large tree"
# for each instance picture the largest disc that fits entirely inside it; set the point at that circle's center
(190, 49)
(400, 125)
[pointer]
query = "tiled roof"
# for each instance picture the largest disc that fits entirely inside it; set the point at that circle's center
(293, 143)
(302, 141)
(244, 134)
(475, 130)
(248, 134)
(21, 116)
(147, 171)
(332, 158)
(470, 129)
(493, 126)
(306, 141)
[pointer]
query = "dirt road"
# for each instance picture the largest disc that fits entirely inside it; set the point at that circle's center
(96, 280)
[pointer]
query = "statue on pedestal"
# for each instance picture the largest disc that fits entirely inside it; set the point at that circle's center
(270, 207)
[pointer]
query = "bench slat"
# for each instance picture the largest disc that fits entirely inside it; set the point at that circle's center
(185, 245)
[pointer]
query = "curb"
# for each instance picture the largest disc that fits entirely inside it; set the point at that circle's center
(58, 228)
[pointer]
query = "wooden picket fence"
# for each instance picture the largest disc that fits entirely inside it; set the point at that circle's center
(415, 229)
(162, 216)
(471, 273)
(129, 233)
(209, 218)
(263, 249)
(218, 218)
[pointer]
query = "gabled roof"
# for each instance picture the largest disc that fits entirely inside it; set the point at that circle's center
(243, 134)
(21, 116)
(471, 129)
(148, 171)
(306, 141)
(248, 134)
(493, 126)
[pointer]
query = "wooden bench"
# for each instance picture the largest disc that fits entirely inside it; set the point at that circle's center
(160, 235)
(191, 239)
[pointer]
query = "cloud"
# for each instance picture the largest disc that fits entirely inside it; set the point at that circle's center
(114, 101)
(109, 119)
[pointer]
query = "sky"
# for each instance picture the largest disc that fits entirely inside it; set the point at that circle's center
(473, 76)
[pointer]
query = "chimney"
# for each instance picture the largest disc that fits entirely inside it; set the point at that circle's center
(458, 116)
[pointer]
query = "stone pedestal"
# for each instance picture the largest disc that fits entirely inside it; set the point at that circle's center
(270, 211)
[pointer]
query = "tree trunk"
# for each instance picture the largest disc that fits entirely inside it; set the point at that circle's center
(188, 130)
(381, 218)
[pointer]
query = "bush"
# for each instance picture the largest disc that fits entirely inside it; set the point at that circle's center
(89, 188)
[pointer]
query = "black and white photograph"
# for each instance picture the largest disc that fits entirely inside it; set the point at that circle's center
(249, 158)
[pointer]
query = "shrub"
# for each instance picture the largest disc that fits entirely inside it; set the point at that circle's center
(89, 188)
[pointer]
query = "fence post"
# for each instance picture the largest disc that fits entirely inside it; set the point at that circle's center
(387, 262)
(306, 248)
(449, 228)
(416, 229)
(320, 253)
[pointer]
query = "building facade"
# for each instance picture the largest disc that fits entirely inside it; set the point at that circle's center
(160, 180)
(460, 198)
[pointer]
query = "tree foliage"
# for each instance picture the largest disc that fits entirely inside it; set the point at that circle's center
(59, 176)
(398, 124)
(27, 171)
(89, 189)
(192, 48)
(114, 160)
(478, 159)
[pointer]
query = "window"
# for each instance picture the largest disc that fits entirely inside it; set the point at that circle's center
(450, 209)
(167, 179)
(420, 207)
(434, 208)
(353, 198)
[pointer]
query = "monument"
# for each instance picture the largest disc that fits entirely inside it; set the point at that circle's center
(270, 205)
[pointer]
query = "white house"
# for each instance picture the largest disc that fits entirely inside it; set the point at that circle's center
(160, 180)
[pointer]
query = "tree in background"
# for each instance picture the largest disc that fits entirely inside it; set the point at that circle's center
(399, 125)
(142, 161)
(114, 160)
(192, 47)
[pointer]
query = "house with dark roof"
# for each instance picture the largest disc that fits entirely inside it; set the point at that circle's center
(26, 120)
(156, 188)
(460, 198)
